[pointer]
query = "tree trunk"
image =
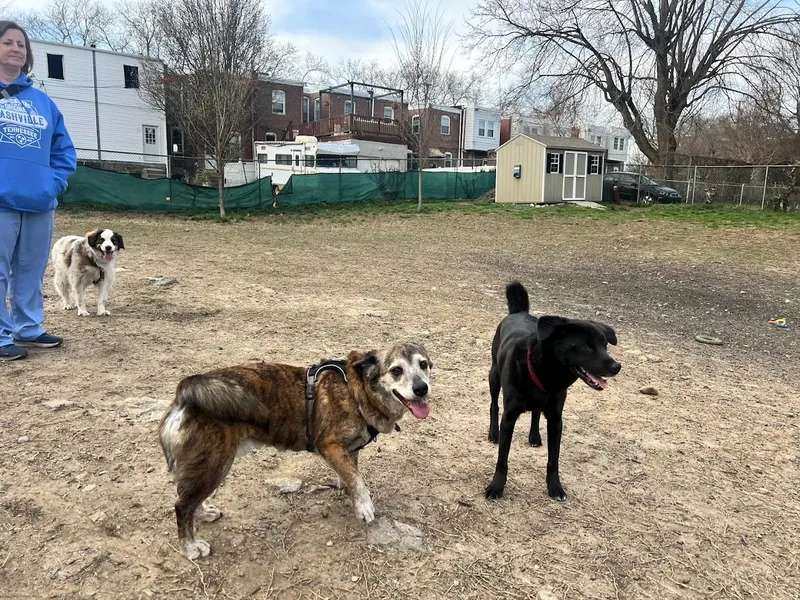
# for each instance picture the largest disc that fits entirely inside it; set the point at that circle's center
(419, 185)
(419, 167)
(221, 190)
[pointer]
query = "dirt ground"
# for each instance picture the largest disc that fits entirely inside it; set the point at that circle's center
(693, 493)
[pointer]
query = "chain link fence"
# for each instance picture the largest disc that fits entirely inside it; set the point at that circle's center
(765, 187)
(202, 171)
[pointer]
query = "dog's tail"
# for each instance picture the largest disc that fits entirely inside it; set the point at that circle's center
(221, 398)
(517, 297)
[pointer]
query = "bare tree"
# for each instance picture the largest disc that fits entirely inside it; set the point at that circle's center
(652, 60)
(77, 22)
(139, 20)
(211, 50)
(421, 43)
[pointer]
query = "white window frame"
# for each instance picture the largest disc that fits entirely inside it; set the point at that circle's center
(352, 106)
(390, 116)
(481, 127)
(445, 124)
(598, 139)
(490, 129)
(317, 109)
(146, 129)
(594, 164)
(555, 161)
(305, 109)
(279, 96)
(415, 124)
(448, 159)
(267, 136)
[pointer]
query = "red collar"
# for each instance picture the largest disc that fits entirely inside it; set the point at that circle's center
(533, 373)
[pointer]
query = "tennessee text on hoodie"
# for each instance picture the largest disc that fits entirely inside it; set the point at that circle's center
(36, 152)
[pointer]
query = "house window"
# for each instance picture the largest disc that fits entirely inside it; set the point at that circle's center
(415, 124)
(55, 66)
(594, 165)
(306, 109)
(278, 102)
(448, 159)
(598, 140)
(555, 161)
(490, 129)
(388, 113)
(445, 125)
(348, 107)
(149, 136)
(131, 76)
(283, 159)
(270, 137)
(317, 109)
(177, 141)
(481, 128)
(619, 143)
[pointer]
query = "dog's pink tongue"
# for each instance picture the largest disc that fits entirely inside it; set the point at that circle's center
(108, 255)
(598, 380)
(419, 409)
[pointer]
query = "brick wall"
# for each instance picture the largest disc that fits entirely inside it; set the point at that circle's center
(265, 121)
(434, 138)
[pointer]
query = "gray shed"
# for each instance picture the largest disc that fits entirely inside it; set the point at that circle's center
(542, 169)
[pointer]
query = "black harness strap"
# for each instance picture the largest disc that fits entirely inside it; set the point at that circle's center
(11, 90)
(311, 379)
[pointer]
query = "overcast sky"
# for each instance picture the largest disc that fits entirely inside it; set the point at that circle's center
(355, 29)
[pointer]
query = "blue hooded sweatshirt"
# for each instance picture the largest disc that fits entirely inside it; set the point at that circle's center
(36, 152)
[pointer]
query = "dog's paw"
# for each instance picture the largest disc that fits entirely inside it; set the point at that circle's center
(82, 312)
(195, 549)
(555, 491)
(365, 510)
(535, 440)
(207, 513)
(495, 489)
(102, 312)
(494, 435)
(65, 306)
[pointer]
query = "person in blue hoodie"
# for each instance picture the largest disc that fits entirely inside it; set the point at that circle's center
(36, 157)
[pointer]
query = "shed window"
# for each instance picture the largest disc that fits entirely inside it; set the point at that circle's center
(553, 163)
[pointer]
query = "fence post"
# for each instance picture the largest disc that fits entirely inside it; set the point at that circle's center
(741, 196)
(764, 193)
(694, 185)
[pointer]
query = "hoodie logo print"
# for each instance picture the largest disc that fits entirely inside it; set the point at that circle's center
(20, 123)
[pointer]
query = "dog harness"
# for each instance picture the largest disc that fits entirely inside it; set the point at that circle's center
(533, 373)
(311, 379)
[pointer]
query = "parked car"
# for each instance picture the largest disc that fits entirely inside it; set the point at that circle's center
(638, 188)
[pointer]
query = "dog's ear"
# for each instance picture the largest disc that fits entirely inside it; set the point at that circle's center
(548, 324)
(368, 364)
(117, 239)
(92, 237)
(608, 331)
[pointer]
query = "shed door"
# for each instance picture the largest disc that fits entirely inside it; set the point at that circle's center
(574, 176)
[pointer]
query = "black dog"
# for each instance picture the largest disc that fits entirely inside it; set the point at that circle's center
(534, 362)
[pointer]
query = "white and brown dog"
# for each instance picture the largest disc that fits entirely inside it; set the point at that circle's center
(81, 262)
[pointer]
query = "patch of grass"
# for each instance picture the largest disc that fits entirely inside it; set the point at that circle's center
(348, 212)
